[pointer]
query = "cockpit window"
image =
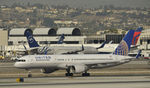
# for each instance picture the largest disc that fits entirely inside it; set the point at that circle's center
(20, 60)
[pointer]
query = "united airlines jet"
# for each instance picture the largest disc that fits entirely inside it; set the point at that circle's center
(110, 48)
(35, 48)
(77, 63)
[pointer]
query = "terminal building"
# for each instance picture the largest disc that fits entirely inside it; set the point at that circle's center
(50, 36)
(145, 42)
(3, 39)
(46, 35)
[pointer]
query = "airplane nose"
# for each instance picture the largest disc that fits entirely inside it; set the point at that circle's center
(16, 64)
(21, 65)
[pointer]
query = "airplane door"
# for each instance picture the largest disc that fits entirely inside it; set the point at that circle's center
(30, 60)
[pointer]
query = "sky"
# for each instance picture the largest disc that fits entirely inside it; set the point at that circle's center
(84, 3)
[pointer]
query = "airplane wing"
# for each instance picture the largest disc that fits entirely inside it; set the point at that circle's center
(69, 51)
(76, 51)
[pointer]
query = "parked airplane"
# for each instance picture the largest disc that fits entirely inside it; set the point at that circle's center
(110, 48)
(77, 63)
(60, 49)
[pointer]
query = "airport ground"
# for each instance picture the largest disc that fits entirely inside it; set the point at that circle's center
(79, 82)
(135, 74)
(138, 67)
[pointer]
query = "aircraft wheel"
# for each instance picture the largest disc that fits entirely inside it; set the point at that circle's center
(69, 74)
(85, 74)
(29, 75)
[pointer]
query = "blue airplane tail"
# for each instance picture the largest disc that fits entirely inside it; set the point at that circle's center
(124, 46)
(61, 39)
(136, 35)
(31, 41)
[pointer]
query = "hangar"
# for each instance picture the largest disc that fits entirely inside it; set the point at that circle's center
(46, 35)
(69, 31)
(44, 32)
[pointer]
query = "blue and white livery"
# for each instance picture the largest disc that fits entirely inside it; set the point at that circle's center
(77, 63)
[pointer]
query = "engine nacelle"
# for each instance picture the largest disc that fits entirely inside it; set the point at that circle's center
(79, 68)
(47, 70)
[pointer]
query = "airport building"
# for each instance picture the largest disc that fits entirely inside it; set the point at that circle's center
(48, 36)
(145, 42)
(3, 39)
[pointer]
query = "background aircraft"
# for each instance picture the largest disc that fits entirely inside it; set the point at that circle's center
(110, 48)
(59, 49)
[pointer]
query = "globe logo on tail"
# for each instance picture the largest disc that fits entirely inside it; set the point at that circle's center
(30, 39)
(122, 49)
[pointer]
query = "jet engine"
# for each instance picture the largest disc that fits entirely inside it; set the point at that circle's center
(79, 68)
(48, 70)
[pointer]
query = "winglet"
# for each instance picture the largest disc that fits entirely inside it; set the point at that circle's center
(60, 41)
(138, 55)
(110, 42)
(102, 45)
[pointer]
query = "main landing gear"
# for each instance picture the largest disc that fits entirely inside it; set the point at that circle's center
(71, 74)
(68, 72)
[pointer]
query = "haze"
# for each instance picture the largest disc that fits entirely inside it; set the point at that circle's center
(83, 3)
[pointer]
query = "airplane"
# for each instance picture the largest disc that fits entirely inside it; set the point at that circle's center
(77, 63)
(110, 48)
(35, 48)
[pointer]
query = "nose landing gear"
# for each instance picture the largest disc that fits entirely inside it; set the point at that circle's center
(29, 73)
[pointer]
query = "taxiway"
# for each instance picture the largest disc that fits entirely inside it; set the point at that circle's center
(79, 82)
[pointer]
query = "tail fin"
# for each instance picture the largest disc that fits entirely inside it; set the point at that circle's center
(136, 35)
(31, 41)
(61, 39)
(124, 46)
(138, 55)
(103, 44)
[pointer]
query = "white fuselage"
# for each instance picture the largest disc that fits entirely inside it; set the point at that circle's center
(63, 61)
